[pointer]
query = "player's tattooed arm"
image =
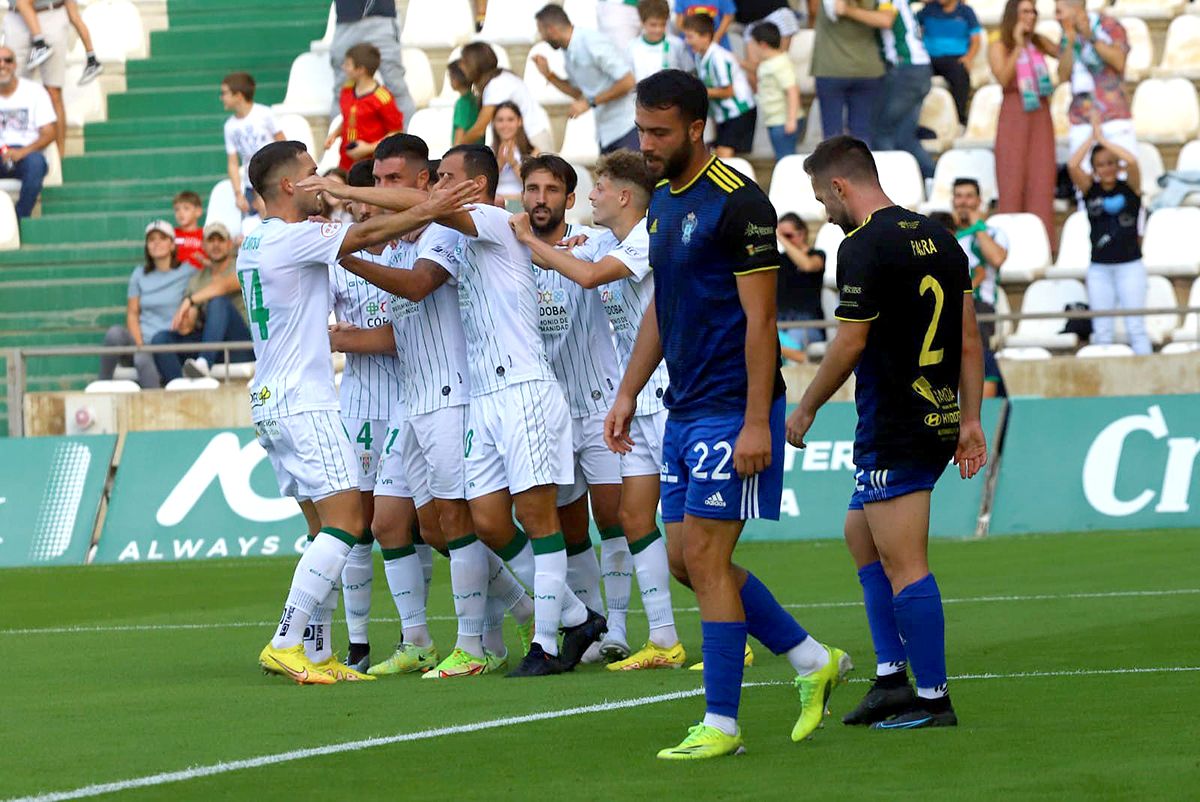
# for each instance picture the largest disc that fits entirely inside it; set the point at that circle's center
(586, 274)
(646, 356)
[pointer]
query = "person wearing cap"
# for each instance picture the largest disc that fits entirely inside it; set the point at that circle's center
(155, 290)
(212, 311)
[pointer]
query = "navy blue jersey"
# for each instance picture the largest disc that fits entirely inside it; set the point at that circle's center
(907, 276)
(702, 237)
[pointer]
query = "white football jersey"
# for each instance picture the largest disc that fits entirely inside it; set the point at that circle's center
(625, 302)
(429, 334)
(578, 338)
(370, 382)
(497, 296)
(284, 272)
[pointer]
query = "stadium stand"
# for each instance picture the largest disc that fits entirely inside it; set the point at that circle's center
(1047, 295)
(1168, 245)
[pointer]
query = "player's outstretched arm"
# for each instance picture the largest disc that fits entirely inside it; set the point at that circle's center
(397, 199)
(414, 285)
(756, 291)
(380, 229)
(647, 354)
(584, 273)
(837, 365)
(971, 454)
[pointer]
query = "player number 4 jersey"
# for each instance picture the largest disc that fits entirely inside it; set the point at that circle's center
(284, 272)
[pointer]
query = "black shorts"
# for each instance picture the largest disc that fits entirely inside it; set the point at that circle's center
(738, 133)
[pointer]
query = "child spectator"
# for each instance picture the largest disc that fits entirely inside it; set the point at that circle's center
(778, 95)
(953, 37)
(730, 99)
(466, 108)
(369, 112)
(751, 13)
(655, 49)
(721, 12)
(189, 237)
(249, 127)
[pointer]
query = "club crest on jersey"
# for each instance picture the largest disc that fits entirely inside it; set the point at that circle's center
(329, 229)
(689, 227)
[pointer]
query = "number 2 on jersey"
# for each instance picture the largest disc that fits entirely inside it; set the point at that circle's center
(931, 356)
(258, 313)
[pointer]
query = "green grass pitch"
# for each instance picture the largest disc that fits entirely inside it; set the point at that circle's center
(116, 673)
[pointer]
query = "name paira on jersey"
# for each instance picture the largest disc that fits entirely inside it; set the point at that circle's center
(429, 333)
(283, 270)
(371, 382)
(625, 302)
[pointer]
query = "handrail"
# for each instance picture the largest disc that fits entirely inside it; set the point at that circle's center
(1069, 314)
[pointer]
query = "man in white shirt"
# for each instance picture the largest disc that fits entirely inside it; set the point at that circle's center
(283, 268)
(515, 444)
(617, 262)
(599, 77)
(27, 127)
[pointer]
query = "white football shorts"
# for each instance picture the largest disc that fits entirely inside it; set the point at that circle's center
(311, 454)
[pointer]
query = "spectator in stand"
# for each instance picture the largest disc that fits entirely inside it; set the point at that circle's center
(730, 98)
(776, 91)
(38, 33)
(1092, 56)
(953, 37)
(986, 248)
(250, 126)
(777, 12)
(848, 68)
(466, 108)
(212, 311)
(599, 77)
(369, 112)
(656, 49)
(721, 12)
(1026, 170)
(27, 127)
(332, 208)
(189, 237)
(512, 147)
(494, 86)
(801, 276)
(618, 20)
(156, 289)
(906, 80)
(370, 22)
(1116, 278)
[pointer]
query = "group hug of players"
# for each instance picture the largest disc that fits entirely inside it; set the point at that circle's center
(504, 370)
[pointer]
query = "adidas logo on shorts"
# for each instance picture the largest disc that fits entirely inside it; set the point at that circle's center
(715, 500)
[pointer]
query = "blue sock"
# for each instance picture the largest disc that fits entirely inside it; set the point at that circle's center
(881, 617)
(767, 621)
(723, 648)
(919, 615)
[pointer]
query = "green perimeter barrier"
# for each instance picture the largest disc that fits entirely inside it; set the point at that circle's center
(1084, 464)
(50, 492)
(197, 494)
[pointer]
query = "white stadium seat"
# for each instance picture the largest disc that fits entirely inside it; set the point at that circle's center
(184, 383)
(1181, 53)
(989, 12)
(10, 229)
(939, 114)
(1180, 348)
(1047, 295)
(436, 126)
(1027, 353)
(1189, 332)
(579, 144)
(982, 118)
(1074, 248)
(1028, 246)
(1003, 307)
(511, 22)
(977, 163)
(1146, 9)
(418, 75)
(900, 177)
(83, 104)
(760, 147)
(296, 128)
(800, 53)
(222, 207)
(813, 132)
(542, 90)
(581, 12)
(829, 239)
(432, 24)
(581, 212)
(1166, 110)
(1189, 160)
(309, 86)
(54, 173)
(1140, 59)
(742, 166)
(234, 370)
(113, 386)
(1169, 244)
(116, 29)
(791, 190)
(981, 73)
(1104, 350)
(1159, 295)
(323, 44)
(1150, 164)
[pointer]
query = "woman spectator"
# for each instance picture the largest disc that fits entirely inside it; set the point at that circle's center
(1116, 278)
(511, 146)
(494, 86)
(156, 289)
(801, 274)
(1025, 164)
(848, 68)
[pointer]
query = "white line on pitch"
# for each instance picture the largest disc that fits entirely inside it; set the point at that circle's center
(85, 628)
(197, 772)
